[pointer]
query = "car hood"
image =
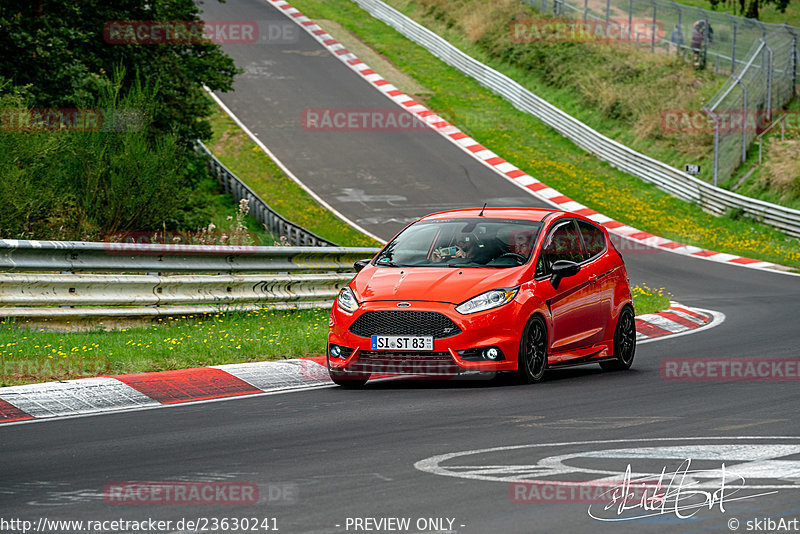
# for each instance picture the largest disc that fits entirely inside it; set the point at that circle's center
(439, 284)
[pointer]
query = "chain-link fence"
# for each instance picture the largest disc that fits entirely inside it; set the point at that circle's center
(749, 101)
(762, 60)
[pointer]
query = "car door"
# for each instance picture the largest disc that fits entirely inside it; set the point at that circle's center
(573, 304)
(604, 267)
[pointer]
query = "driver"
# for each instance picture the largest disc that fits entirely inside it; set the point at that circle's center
(522, 244)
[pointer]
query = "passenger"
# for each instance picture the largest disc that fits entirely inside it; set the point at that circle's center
(465, 248)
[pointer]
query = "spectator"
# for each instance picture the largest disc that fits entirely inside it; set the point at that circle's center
(676, 38)
(700, 36)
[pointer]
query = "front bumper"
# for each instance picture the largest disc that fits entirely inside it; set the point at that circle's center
(451, 355)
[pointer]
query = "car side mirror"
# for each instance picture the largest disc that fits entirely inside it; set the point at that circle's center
(562, 269)
(360, 264)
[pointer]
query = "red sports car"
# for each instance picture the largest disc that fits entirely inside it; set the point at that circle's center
(485, 291)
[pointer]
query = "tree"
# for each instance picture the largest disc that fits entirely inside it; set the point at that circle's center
(58, 50)
(750, 8)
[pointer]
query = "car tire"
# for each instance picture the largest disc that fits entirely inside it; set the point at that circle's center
(348, 380)
(532, 359)
(624, 342)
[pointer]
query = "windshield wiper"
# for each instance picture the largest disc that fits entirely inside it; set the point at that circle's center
(463, 264)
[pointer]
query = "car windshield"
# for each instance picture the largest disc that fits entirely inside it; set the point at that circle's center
(476, 242)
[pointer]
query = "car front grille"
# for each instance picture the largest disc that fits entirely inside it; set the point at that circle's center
(405, 363)
(404, 323)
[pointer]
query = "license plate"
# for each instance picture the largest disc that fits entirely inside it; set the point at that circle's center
(402, 343)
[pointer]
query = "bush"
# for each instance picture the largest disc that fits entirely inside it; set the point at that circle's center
(84, 185)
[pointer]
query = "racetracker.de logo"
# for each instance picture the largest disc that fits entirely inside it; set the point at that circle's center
(361, 120)
(646, 245)
(730, 369)
(67, 365)
(173, 244)
(590, 31)
(140, 32)
(727, 121)
(181, 493)
(592, 492)
(69, 120)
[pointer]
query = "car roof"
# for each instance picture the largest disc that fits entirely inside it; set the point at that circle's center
(528, 214)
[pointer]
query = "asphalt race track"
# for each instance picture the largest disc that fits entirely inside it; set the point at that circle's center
(324, 457)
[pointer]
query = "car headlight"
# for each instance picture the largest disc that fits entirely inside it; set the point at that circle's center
(347, 300)
(487, 301)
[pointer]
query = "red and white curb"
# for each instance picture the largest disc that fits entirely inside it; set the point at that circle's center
(675, 321)
(87, 396)
(147, 390)
(533, 186)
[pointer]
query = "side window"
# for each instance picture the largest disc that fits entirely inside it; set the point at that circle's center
(561, 243)
(594, 241)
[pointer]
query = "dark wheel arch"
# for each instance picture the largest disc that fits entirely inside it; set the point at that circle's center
(533, 350)
(624, 342)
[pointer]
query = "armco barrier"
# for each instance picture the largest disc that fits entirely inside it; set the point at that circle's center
(82, 256)
(80, 284)
(260, 210)
(669, 179)
(132, 294)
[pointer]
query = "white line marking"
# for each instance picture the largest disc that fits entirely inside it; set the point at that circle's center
(288, 172)
(550, 465)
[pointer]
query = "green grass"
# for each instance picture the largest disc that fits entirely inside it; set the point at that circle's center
(245, 159)
(212, 206)
(34, 355)
(28, 354)
(544, 154)
(758, 184)
(649, 300)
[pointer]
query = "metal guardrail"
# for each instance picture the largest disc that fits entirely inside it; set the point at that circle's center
(295, 276)
(81, 295)
(260, 210)
(669, 179)
(82, 256)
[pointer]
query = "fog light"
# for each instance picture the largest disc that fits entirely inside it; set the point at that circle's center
(491, 353)
(336, 350)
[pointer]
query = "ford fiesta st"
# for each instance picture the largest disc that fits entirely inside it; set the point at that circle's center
(485, 290)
